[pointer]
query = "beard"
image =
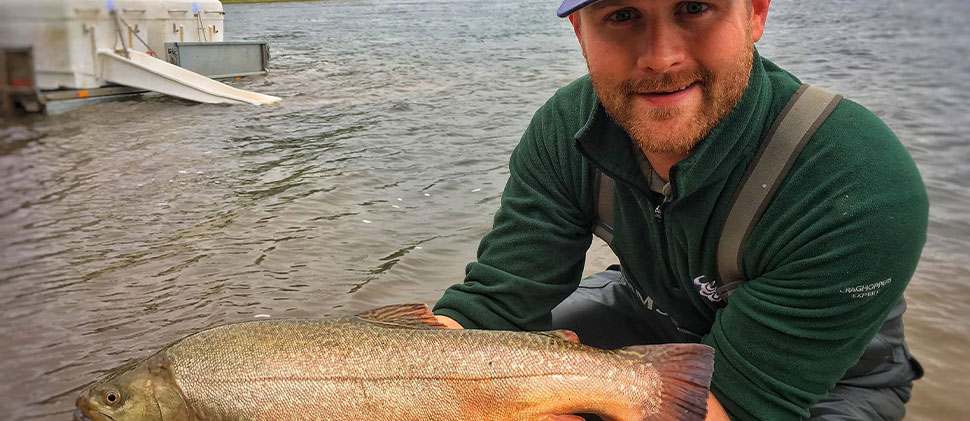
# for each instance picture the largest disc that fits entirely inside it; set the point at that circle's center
(675, 129)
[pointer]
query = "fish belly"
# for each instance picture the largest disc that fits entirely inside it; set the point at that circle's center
(501, 399)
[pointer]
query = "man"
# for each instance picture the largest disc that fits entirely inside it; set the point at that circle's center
(675, 106)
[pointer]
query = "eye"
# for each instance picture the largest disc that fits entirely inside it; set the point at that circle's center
(621, 15)
(112, 397)
(694, 8)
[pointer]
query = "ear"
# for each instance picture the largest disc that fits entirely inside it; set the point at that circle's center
(759, 15)
(574, 19)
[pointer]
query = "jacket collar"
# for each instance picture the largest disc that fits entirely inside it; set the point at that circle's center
(733, 140)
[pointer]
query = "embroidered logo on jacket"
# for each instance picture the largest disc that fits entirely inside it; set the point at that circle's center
(707, 289)
(866, 291)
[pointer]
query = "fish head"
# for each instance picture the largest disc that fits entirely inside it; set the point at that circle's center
(144, 391)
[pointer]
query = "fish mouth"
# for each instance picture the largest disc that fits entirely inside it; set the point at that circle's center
(79, 416)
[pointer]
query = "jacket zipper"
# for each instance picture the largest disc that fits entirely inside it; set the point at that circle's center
(658, 215)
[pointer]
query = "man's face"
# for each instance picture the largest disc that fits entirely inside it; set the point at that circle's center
(667, 70)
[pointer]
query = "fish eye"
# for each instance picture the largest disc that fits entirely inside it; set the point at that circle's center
(112, 397)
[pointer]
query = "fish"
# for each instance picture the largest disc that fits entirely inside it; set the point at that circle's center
(398, 363)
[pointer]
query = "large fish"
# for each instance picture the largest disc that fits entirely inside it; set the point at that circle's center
(398, 363)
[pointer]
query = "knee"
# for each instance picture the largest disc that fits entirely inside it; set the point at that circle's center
(846, 403)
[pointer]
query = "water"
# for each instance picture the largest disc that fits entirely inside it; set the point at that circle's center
(128, 223)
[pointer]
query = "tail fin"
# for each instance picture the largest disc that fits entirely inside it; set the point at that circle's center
(685, 371)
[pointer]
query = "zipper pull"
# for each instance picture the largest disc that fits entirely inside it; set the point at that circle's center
(658, 212)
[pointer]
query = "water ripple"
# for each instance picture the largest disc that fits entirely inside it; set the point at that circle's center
(128, 223)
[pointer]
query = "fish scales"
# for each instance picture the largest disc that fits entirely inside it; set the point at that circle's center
(360, 368)
(335, 358)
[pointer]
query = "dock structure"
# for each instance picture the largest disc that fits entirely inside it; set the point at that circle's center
(88, 48)
(17, 84)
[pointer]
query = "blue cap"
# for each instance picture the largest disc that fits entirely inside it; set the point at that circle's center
(570, 6)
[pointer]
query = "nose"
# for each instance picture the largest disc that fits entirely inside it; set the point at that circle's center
(663, 49)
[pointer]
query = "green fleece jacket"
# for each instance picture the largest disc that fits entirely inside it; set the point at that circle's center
(831, 255)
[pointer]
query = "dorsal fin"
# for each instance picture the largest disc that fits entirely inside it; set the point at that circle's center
(563, 334)
(413, 316)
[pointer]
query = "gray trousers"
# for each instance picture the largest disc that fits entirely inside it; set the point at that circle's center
(607, 312)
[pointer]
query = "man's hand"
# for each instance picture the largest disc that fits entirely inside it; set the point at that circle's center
(715, 412)
(448, 322)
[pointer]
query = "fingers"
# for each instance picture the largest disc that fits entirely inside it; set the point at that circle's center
(448, 322)
(571, 337)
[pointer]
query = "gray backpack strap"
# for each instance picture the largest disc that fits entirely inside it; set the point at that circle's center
(603, 194)
(797, 123)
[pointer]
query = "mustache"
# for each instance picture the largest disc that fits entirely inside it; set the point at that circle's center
(665, 82)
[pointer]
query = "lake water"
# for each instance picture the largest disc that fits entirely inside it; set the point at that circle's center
(128, 223)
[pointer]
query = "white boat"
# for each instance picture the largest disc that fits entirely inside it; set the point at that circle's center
(90, 44)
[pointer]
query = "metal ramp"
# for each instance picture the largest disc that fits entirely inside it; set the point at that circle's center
(140, 70)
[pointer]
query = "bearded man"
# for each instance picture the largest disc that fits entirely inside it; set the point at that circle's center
(674, 109)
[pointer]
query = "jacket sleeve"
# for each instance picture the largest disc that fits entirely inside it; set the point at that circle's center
(829, 259)
(534, 255)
